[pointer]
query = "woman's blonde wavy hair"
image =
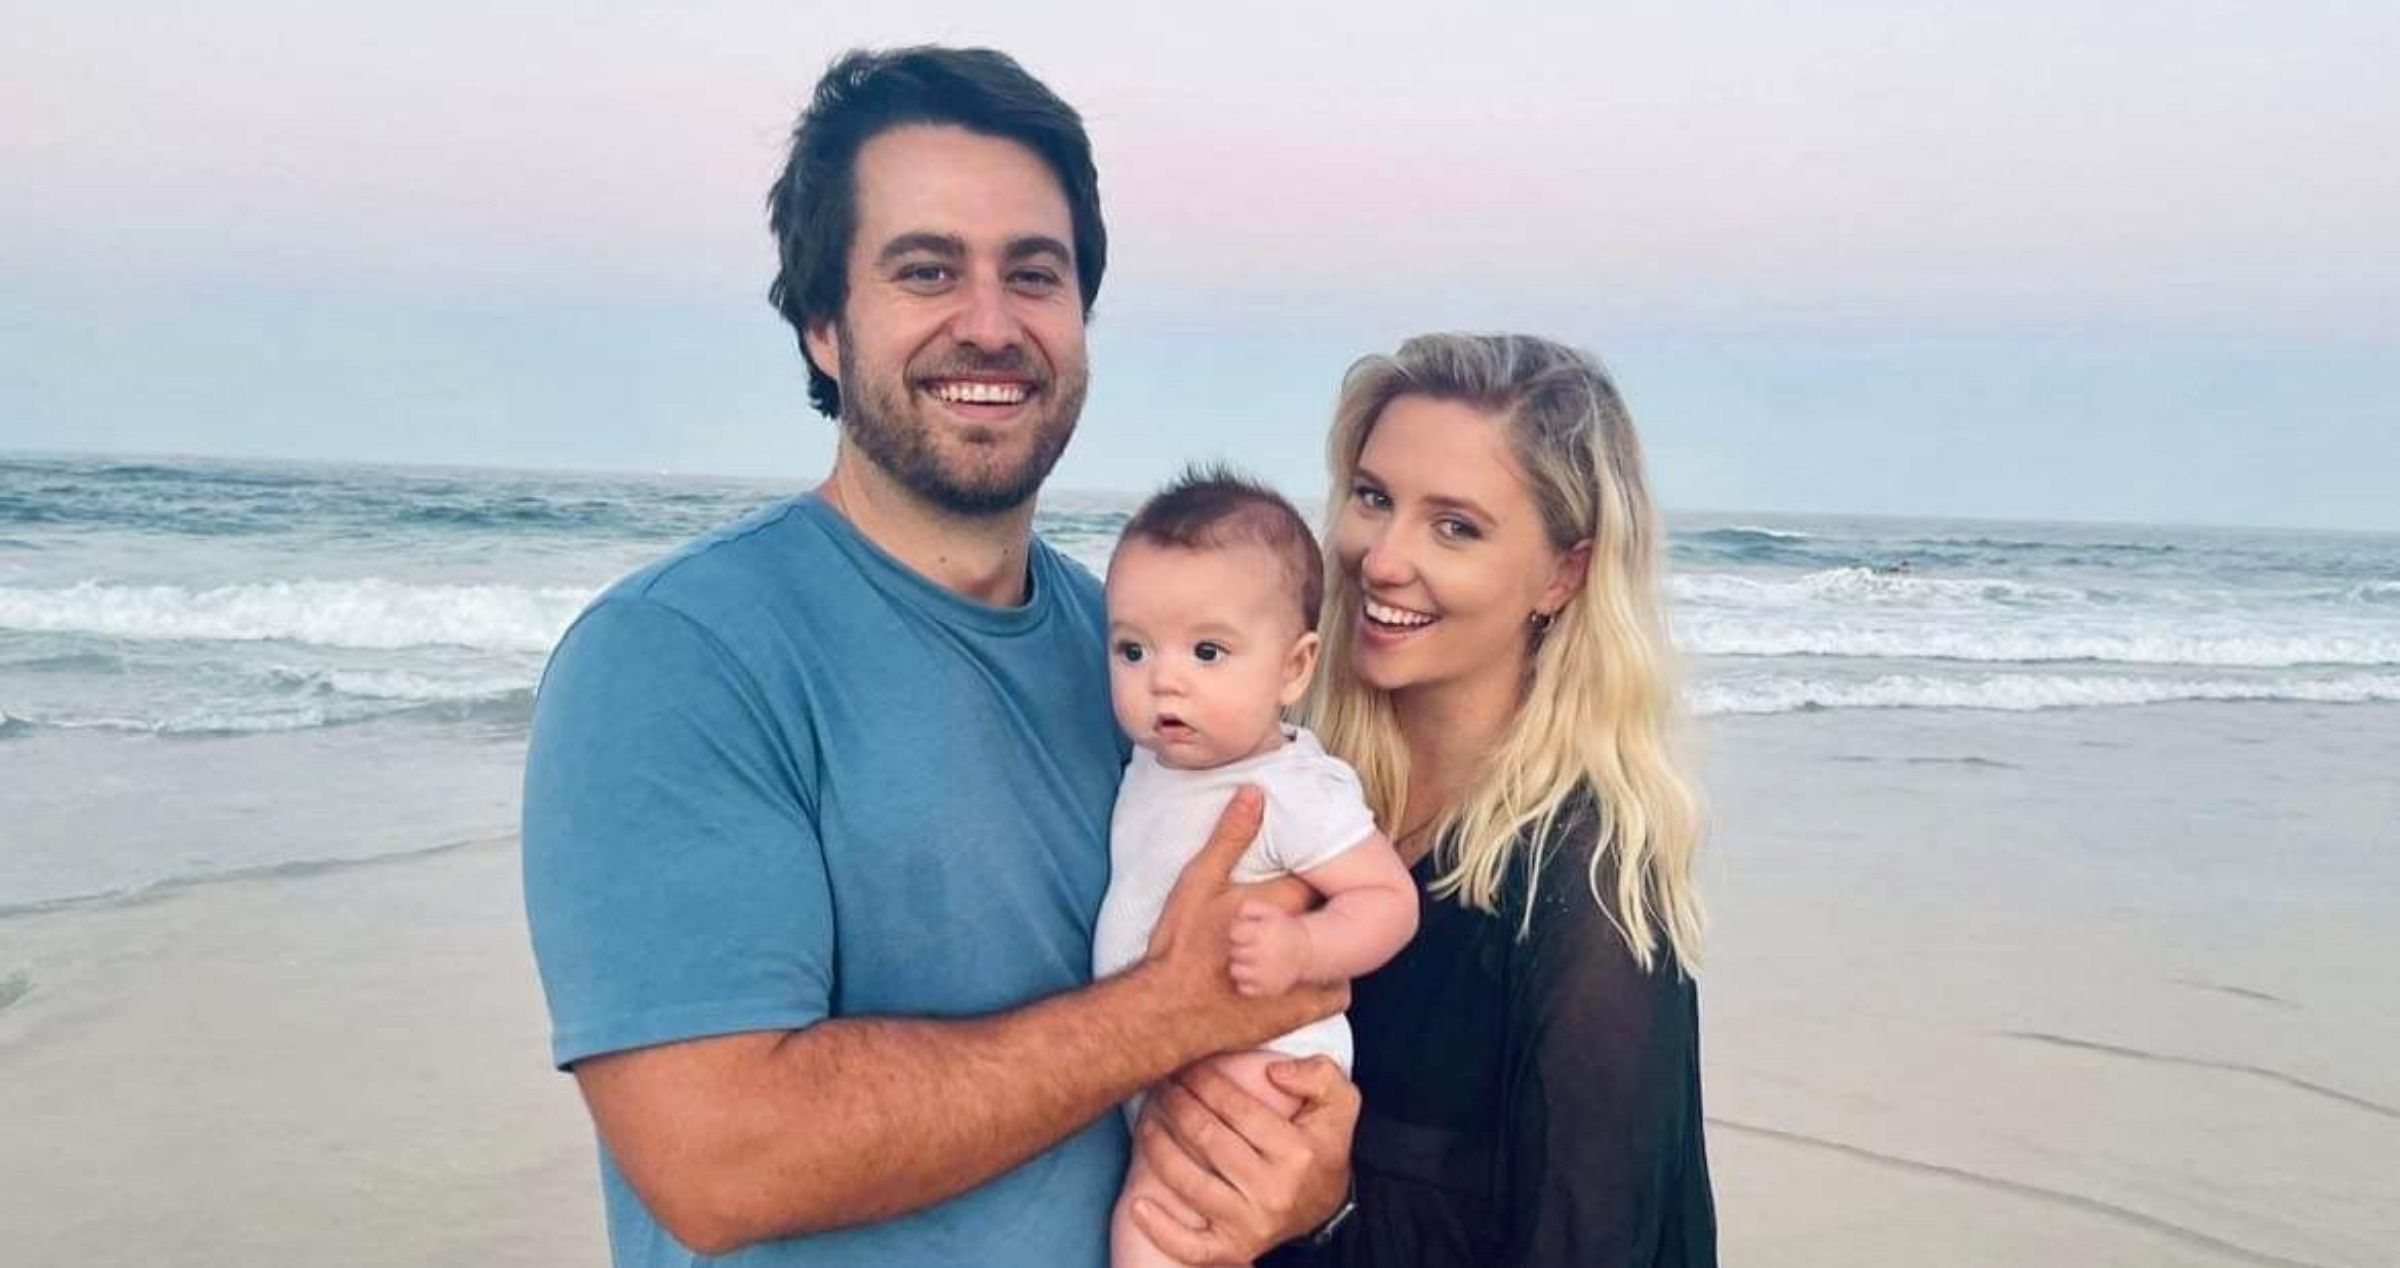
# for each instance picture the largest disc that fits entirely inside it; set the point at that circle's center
(1600, 706)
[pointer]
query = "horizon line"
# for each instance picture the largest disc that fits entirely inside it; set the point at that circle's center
(7, 454)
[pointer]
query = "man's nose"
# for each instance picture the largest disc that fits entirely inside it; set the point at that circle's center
(984, 319)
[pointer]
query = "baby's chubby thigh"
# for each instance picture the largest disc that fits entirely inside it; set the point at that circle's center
(1248, 1070)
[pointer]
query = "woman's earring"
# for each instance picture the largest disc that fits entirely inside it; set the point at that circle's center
(1540, 621)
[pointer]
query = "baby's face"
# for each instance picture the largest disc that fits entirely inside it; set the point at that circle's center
(1205, 649)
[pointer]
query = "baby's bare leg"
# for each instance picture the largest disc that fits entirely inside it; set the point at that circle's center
(1127, 1248)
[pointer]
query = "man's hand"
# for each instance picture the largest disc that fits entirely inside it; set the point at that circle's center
(1190, 949)
(1259, 1179)
(1270, 950)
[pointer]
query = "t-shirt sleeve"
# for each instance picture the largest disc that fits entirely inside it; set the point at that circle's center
(1315, 812)
(673, 877)
(1598, 1060)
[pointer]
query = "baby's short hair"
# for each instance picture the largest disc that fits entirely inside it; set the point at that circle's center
(1212, 507)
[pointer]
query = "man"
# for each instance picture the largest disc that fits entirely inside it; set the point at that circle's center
(816, 808)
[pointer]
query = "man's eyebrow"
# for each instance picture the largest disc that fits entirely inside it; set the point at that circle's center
(947, 246)
(1038, 244)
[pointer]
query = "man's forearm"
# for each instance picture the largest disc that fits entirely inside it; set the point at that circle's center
(858, 1119)
(929, 1109)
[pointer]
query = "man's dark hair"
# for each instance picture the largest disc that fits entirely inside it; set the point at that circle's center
(813, 205)
(1210, 508)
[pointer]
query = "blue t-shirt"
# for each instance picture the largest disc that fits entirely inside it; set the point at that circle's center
(778, 777)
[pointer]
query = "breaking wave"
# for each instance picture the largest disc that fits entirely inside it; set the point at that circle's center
(1868, 586)
(370, 614)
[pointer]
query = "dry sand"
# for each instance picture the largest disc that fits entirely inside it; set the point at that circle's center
(2092, 987)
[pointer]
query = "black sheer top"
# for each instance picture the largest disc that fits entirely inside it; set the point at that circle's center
(1530, 1101)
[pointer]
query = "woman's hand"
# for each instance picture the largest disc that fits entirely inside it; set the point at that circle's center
(1256, 1178)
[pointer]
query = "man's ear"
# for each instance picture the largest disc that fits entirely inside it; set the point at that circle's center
(823, 339)
(1566, 579)
(1298, 666)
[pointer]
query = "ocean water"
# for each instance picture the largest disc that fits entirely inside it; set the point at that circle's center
(212, 667)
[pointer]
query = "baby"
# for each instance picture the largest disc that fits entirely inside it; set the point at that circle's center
(1212, 603)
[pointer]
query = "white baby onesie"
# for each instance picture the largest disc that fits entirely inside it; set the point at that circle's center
(1315, 811)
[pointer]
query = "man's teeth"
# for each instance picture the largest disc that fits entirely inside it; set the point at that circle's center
(966, 392)
(1382, 615)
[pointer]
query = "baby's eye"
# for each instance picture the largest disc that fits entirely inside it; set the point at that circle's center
(1130, 652)
(1209, 653)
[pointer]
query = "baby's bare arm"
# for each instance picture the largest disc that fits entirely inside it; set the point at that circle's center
(1370, 912)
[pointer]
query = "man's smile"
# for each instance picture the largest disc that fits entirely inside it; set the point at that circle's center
(982, 401)
(980, 391)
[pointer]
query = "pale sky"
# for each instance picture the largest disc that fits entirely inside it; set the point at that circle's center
(2038, 260)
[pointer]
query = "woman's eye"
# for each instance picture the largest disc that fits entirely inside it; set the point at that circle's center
(1456, 530)
(1208, 653)
(1371, 497)
(1130, 653)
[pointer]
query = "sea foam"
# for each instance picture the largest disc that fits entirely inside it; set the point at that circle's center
(371, 613)
(403, 685)
(2155, 641)
(228, 718)
(1837, 586)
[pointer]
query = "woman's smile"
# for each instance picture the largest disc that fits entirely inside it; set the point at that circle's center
(1393, 616)
(1383, 626)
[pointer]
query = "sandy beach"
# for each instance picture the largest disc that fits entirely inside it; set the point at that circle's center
(2085, 986)
(2092, 986)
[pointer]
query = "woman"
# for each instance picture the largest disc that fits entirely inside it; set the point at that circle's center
(1497, 668)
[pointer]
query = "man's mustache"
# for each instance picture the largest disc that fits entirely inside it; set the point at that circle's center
(970, 362)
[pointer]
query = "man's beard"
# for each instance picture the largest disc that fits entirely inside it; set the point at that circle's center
(887, 429)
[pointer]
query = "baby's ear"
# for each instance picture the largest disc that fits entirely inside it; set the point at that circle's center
(1298, 667)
